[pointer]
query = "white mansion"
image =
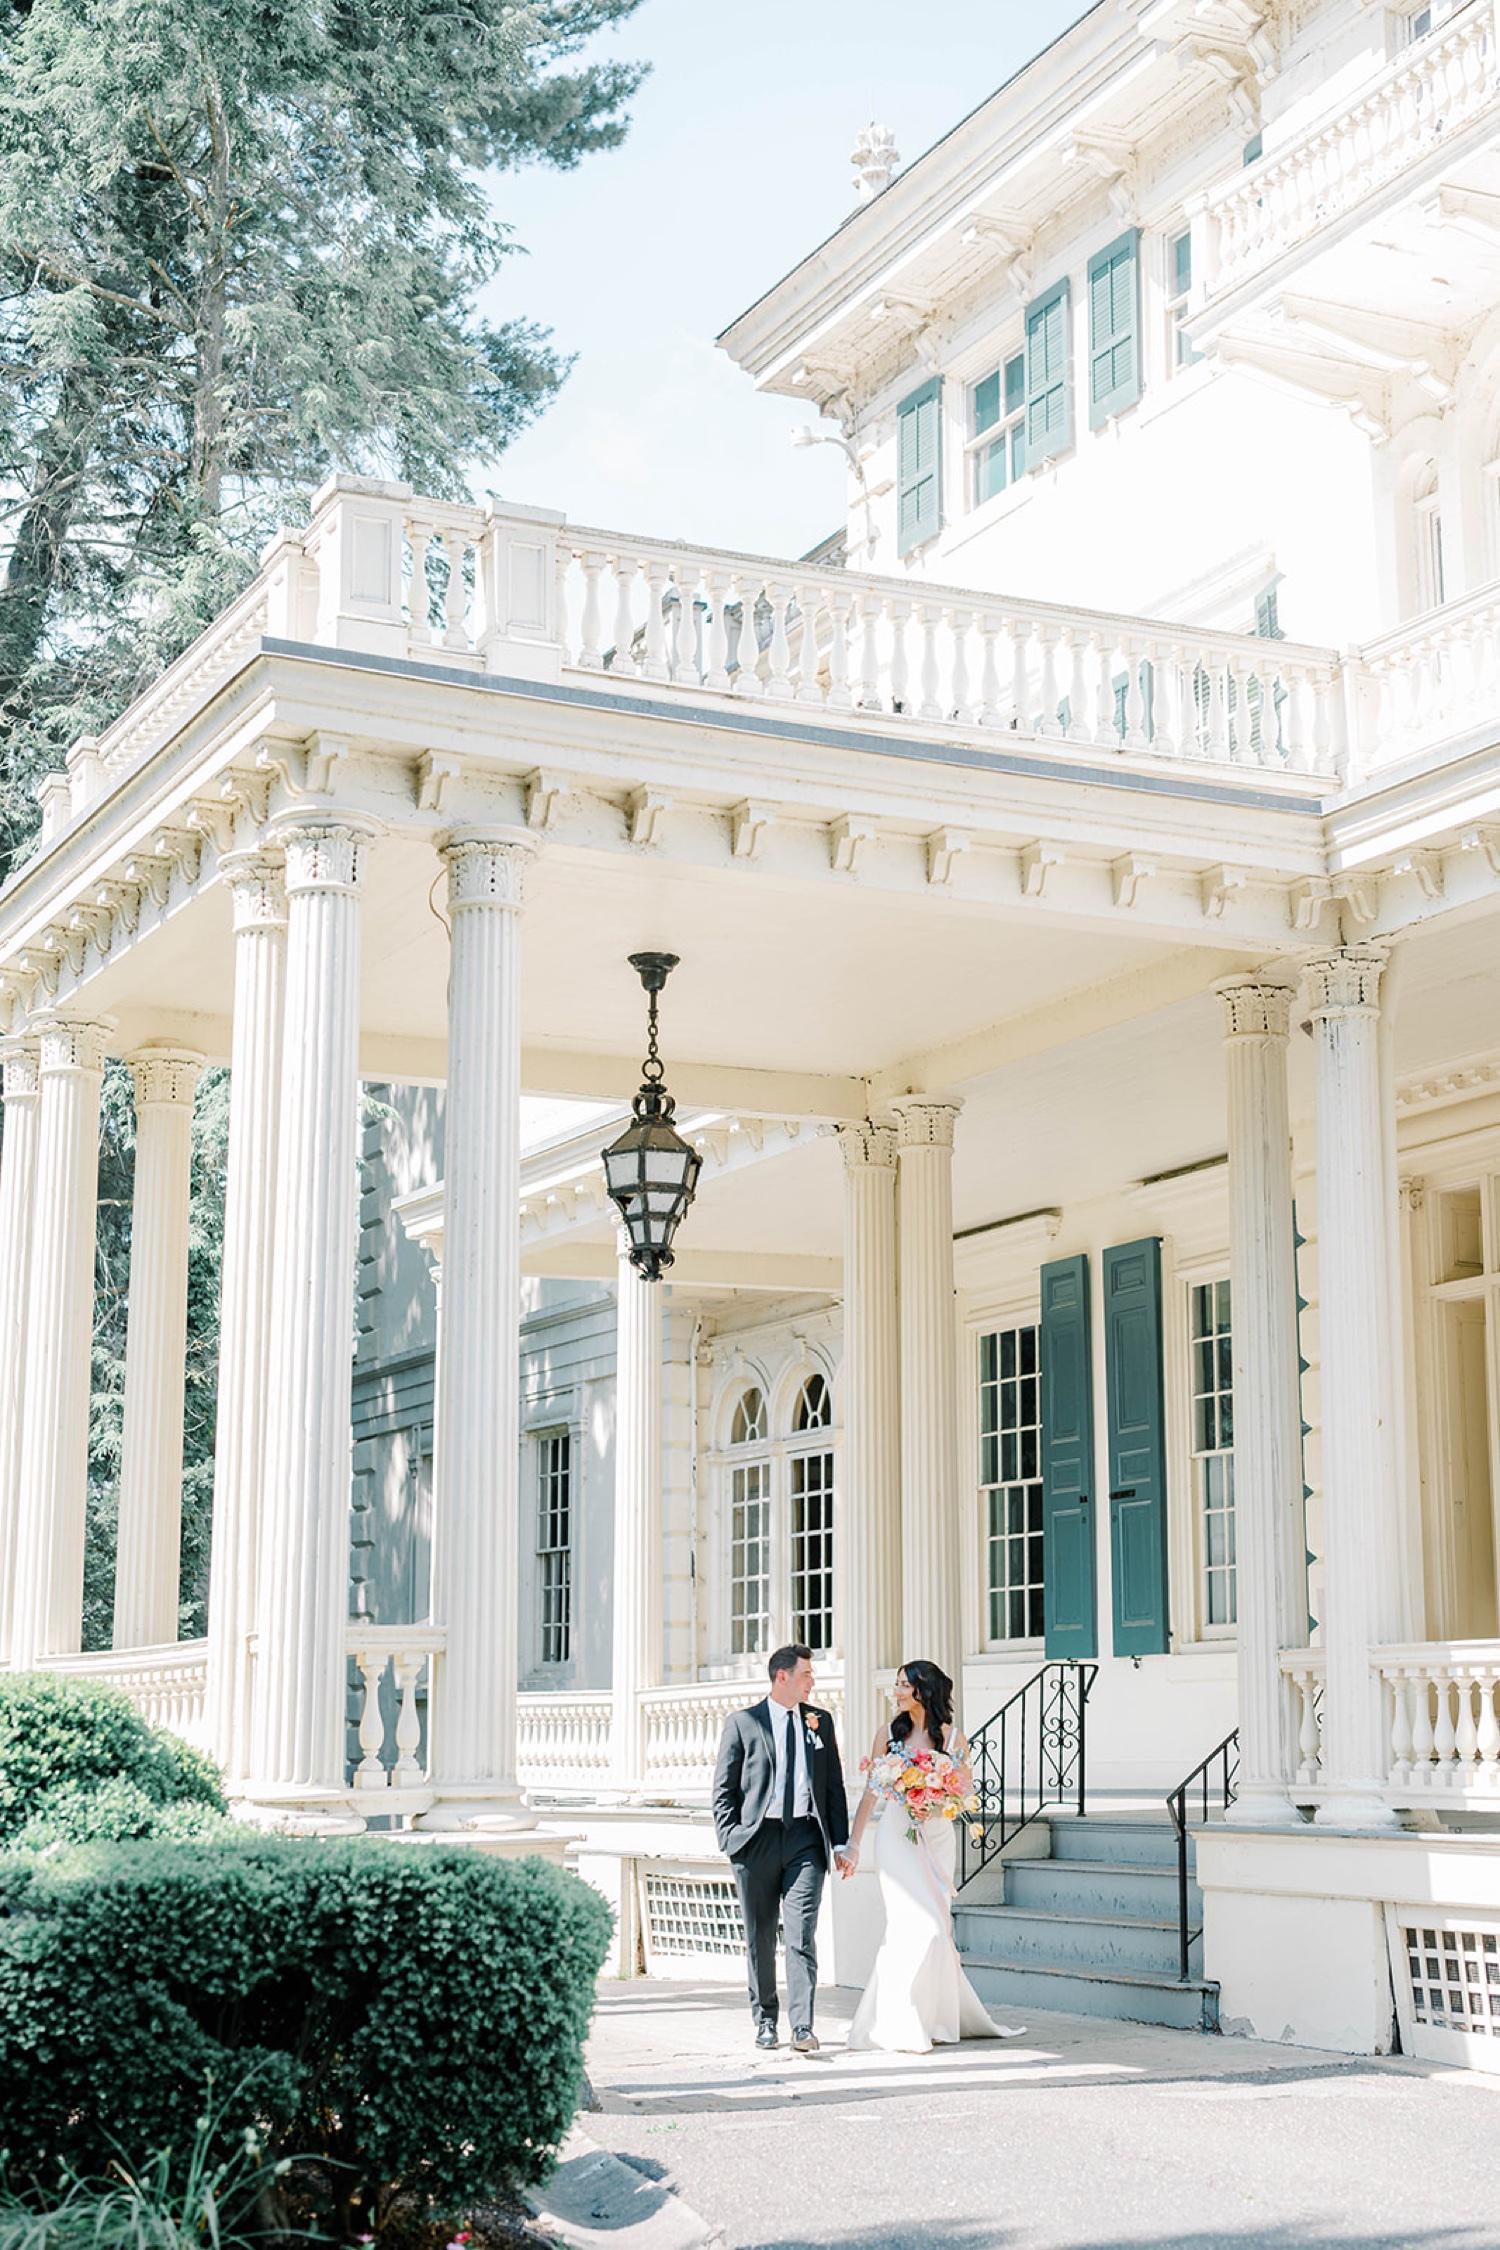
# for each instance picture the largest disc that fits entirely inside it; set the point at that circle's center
(1086, 879)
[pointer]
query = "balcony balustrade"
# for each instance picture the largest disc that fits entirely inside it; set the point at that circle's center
(1442, 1719)
(166, 1684)
(1420, 104)
(390, 1777)
(563, 1740)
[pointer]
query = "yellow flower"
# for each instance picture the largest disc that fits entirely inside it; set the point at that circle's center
(976, 1832)
(950, 1812)
(971, 1804)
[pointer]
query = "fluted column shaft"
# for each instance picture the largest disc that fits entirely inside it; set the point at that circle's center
(17, 1187)
(476, 1471)
(931, 1512)
(47, 1619)
(303, 1593)
(1270, 1573)
(149, 1553)
(245, 1295)
(868, 1583)
(638, 1541)
(1360, 1379)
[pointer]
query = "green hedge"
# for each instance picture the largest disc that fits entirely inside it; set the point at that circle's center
(415, 2014)
(64, 1740)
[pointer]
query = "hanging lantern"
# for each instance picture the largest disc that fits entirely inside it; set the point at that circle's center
(650, 1171)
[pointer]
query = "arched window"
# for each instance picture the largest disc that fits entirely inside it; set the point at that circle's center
(814, 1408)
(749, 1424)
(1429, 536)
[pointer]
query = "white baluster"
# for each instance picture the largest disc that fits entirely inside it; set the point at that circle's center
(455, 592)
(590, 652)
(419, 599)
(1443, 1736)
(1488, 1736)
(1020, 675)
(931, 705)
(1078, 685)
(809, 604)
(654, 665)
(1396, 1680)
(408, 1774)
(717, 674)
(1309, 1733)
(685, 642)
(990, 714)
(1422, 1737)
(871, 609)
(370, 1773)
(1217, 746)
(840, 610)
(1466, 1740)
(1107, 723)
(747, 679)
(621, 656)
(899, 612)
(962, 710)
(1049, 696)
(1135, 700)
(779, 653)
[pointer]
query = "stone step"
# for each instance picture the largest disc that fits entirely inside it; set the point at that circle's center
(1018, 1937)
(1008, 1990)
(1143, 1842)
(1085, 1887)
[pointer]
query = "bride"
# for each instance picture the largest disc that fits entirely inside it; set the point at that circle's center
(918, 1996)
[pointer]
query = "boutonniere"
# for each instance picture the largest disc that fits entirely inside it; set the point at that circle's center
(811, 1723)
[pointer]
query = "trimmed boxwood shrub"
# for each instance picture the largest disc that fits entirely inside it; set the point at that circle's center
(67, 1739)
(413, 2015)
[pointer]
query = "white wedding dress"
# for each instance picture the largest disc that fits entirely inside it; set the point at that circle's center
(918, 1996)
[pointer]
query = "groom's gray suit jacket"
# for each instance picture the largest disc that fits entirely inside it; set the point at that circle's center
(745, 1779)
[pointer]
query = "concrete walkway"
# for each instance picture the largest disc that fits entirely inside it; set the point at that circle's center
(1079, 2136)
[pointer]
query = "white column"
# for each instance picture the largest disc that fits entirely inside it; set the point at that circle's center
(1270, 1570)
(931, 1513)
(298, 1752)
(245, 1290)
(868, 1586)
(1360, 1380)
(637, 1553)
(148, 1557)
(17, 1187)
(47, 1619)
(476, 1470)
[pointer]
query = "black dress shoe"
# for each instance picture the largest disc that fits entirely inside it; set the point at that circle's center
(803, 2043)
(766, 2036)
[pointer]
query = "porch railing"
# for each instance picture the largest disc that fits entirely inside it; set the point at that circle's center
(1211, 1786)
(391, 1774)
(1441, 1703)
(563, 1740)
(165, 1684)
(1031, 1754)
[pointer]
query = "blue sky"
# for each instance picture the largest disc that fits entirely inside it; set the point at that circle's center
(736, 165)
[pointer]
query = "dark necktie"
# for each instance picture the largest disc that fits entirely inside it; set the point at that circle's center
(789, 1786)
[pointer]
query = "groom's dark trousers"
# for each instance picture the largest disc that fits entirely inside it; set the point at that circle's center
(779, 1866)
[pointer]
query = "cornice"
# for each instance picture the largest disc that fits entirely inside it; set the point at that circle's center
(1456, 1082)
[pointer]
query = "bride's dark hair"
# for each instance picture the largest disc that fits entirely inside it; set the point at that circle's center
(934, 1690)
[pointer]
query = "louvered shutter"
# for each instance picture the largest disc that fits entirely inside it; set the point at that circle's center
(1114, 328)
(1067, 1461)
(1137, 1447)
(919, 494)
(1049, 390)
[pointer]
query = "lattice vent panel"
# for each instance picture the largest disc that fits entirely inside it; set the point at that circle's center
(1455, 1976)
(692, 1914)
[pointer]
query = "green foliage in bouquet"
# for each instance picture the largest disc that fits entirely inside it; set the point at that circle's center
(412, 2019)
(77, 1761)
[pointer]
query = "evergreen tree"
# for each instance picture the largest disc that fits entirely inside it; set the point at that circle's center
(240, 243)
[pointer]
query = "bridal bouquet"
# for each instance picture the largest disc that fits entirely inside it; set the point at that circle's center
(927, 1785)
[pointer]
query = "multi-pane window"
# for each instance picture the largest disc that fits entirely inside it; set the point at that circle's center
(750, 1558)
(554, 1545)
(1179, 292)
(812, 1549)
(997, 441)
(1213, 1445)
(1010, 1476)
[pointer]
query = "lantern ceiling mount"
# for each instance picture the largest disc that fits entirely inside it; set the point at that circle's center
(650, 1171)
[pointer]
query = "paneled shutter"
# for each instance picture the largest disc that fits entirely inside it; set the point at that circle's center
(1049, 389)
(919, 483)
(1137, 1453)
(1115, 328)
(1068, 1461)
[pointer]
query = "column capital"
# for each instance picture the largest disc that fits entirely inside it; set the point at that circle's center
(867, 1146)
(1347, 982)
(165, 1075)
(72, 1043)
(20, 1063)
(923, 1123)
(257, 889)
(325, 850)
(1255, 1007)
(486, 866)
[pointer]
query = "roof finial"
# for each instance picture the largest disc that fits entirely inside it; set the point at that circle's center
(874, 159)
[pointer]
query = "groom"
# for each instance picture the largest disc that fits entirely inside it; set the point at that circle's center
(782, 1820)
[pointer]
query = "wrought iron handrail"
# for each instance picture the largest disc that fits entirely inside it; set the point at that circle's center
(1226, 1757)
(1029, 1755)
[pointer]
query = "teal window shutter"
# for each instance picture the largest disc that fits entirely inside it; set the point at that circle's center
(919, 493)
(1115, 328)
(1068, 1461)
(1049, 390)
(1137, 1447)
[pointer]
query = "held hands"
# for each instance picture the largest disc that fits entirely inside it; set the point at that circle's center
(847, 1856)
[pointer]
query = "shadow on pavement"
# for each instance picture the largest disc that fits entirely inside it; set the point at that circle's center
(981, 2234)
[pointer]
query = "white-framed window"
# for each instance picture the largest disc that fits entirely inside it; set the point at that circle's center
(554, 1546)
(749, 1530)
(779, 1515)
(812, 1519)
(997, 430)
(1211, 1392)
(1409, 26)
(1180, 352)
(1010, 1481)
(1429, 535)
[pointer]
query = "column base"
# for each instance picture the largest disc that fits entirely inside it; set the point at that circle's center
(1264, 1804)
(286, 1810)
(1355, 1805)
(484, 1808)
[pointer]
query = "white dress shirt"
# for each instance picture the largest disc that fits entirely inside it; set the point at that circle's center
(787, 1728)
